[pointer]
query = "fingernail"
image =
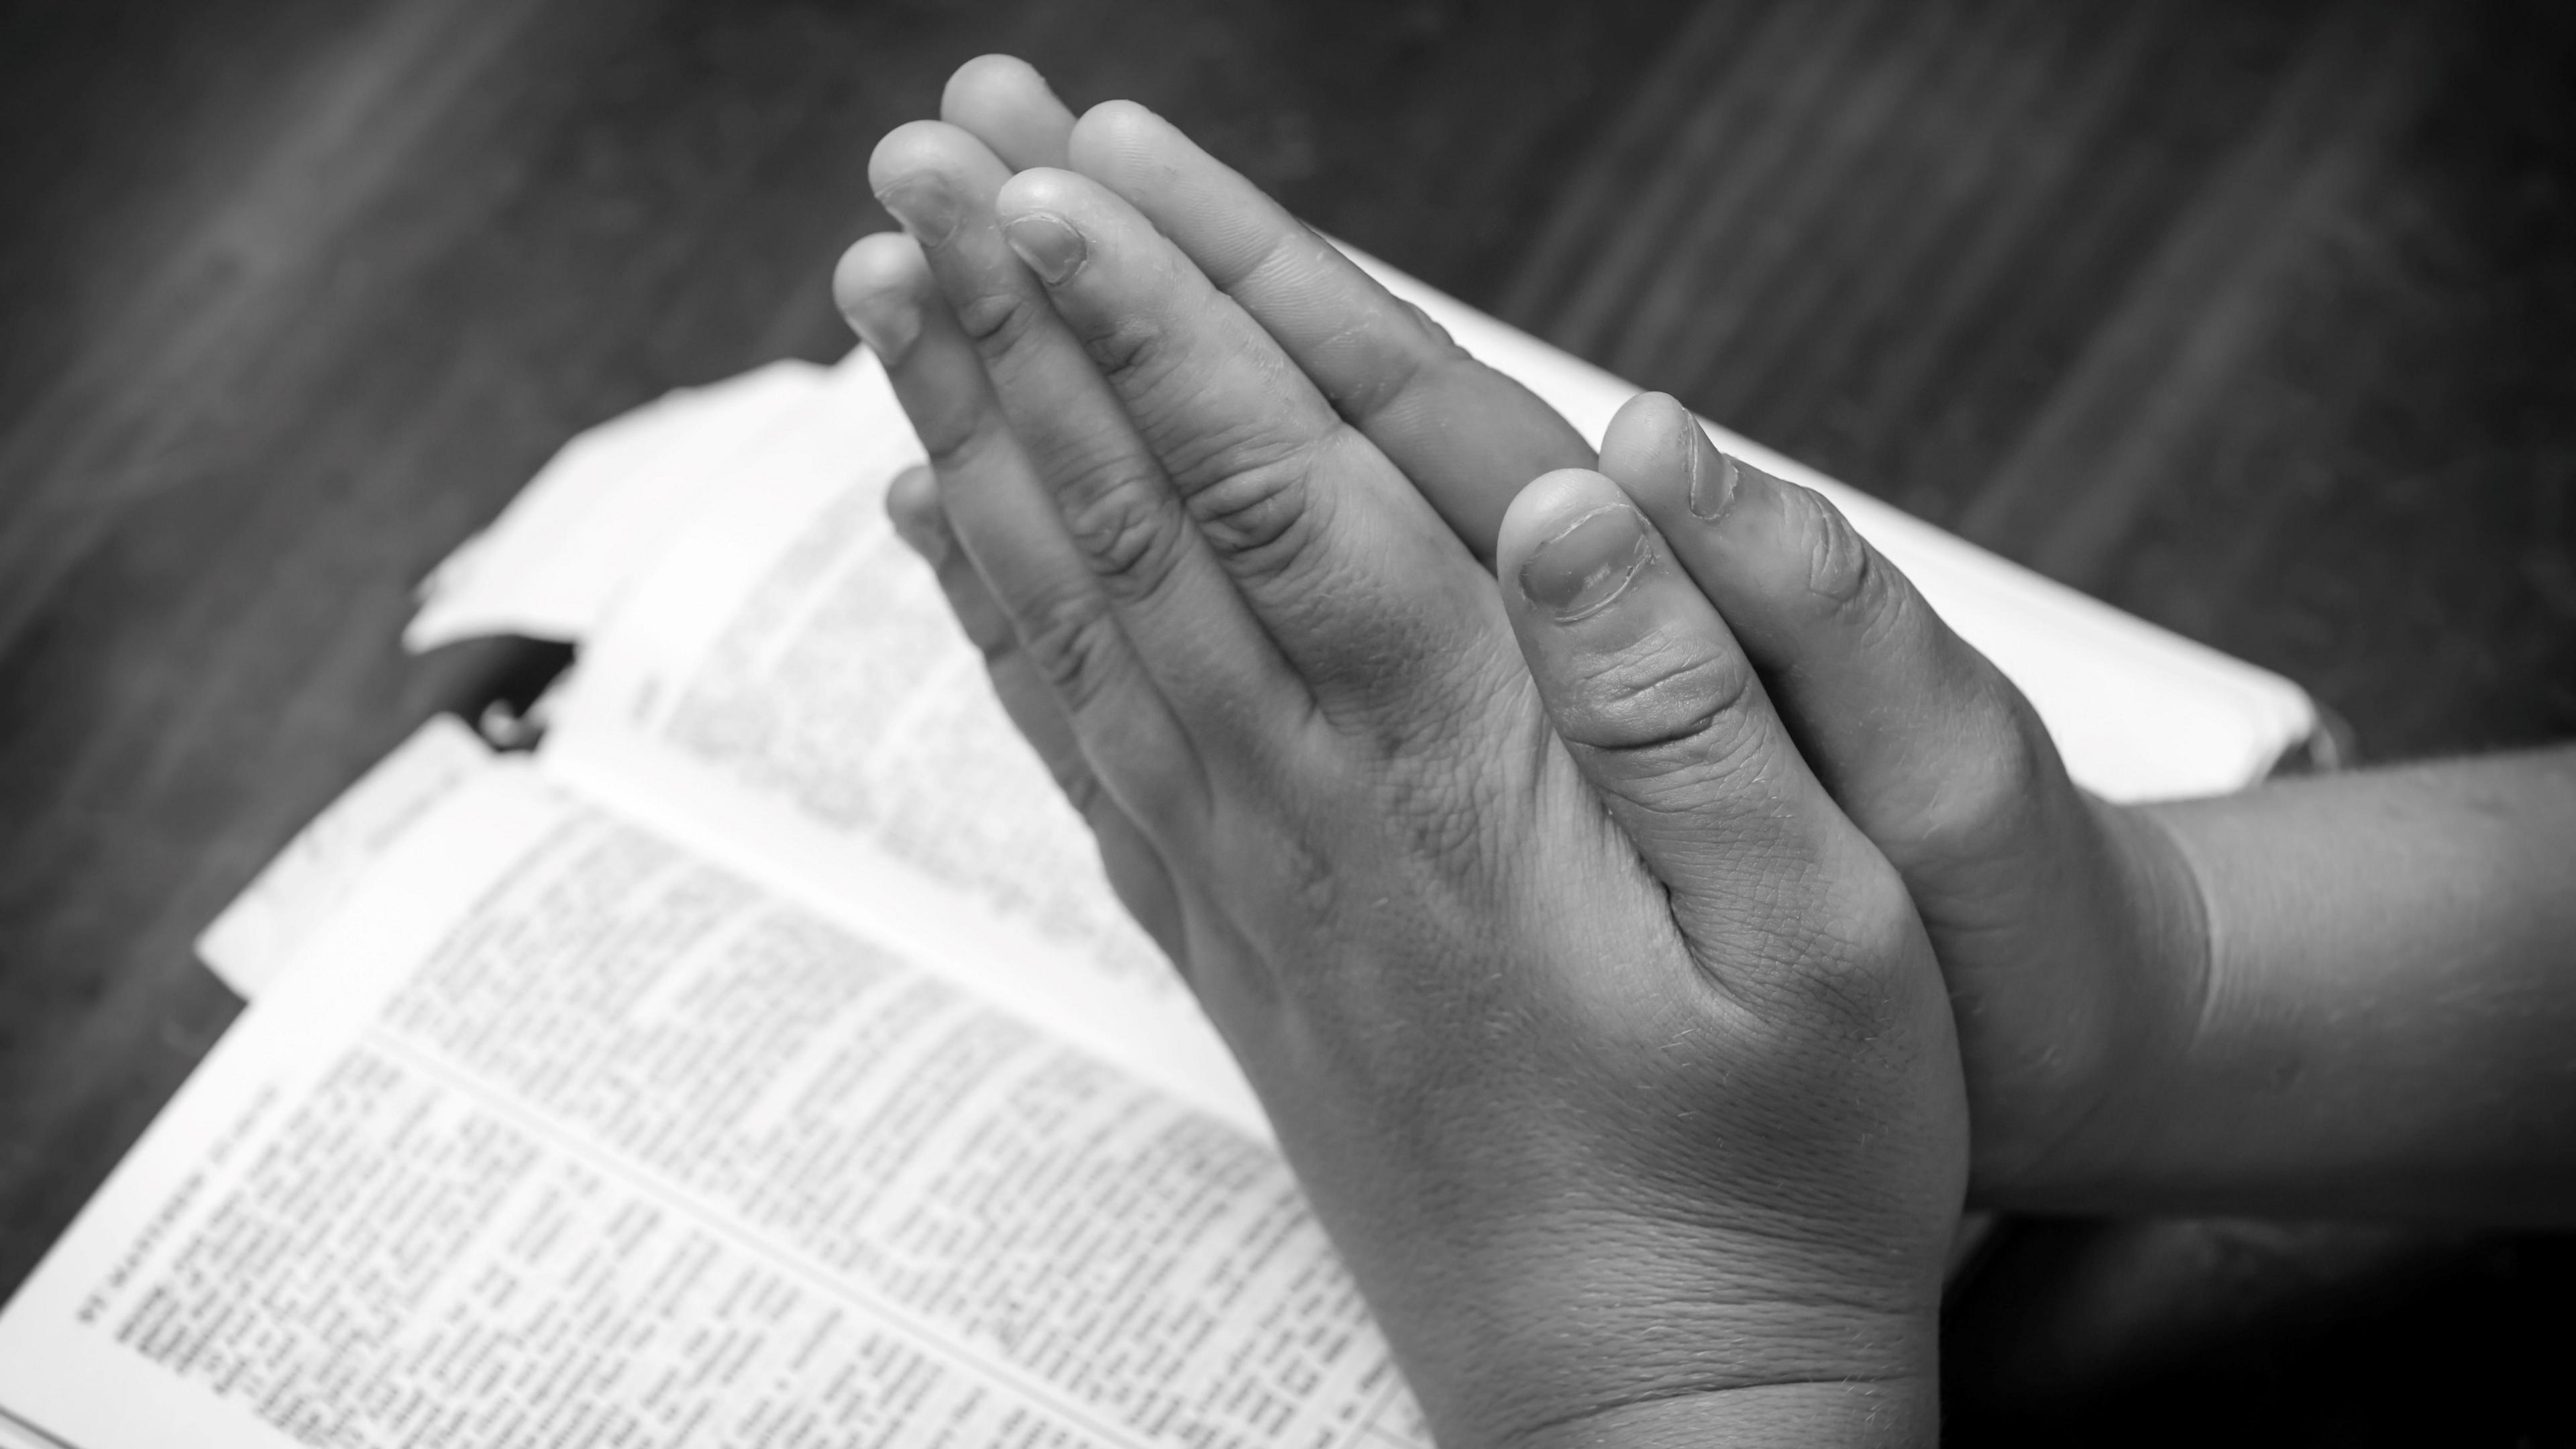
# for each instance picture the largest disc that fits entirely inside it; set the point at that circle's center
(1049, 244)
(888, 320)
(1578, 572)
(925, 206)
(1712, 486)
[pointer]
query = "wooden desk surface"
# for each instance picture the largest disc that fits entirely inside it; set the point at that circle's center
(2254, 318)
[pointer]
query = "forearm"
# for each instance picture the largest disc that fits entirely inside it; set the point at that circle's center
(2385, 1019)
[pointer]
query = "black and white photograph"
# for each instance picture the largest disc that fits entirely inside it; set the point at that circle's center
(1287, 724)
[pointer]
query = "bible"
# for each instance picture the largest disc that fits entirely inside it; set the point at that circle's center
(761, 1059)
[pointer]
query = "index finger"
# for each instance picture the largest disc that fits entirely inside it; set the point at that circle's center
(1468, 436)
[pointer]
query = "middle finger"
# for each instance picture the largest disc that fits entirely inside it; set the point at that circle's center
(1366, 591)
(1049, 407)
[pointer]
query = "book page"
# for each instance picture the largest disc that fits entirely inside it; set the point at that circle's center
(297, 893)
(606, 505)
(559, 1135)
(787, 688)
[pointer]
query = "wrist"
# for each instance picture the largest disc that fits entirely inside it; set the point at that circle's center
(1881, 1413)
(1622, 1363)
(2171, 960)
(2157, 967)
(2077, 1086)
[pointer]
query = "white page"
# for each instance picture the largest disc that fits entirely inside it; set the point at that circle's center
(329, 859)
(558, 1135)
(606, 505)
(15, 1435)
(787, 688)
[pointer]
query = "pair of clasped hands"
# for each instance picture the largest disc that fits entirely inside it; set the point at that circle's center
(1621, 888)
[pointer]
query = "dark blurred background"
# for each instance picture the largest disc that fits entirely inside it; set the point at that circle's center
(2255, 317)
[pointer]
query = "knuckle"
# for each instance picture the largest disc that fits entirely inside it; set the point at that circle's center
(1259, 510)
(998, 322)
(1311, 873)
(1986, 793)
(1843, 571)
(1664, 695)
(1438, 805)
(964, 452)
(1143, 350)
(1866, 946)
(1827, 953)
(1403, 374)
(1676, 778)
(1129, 351)
(1125, 526)
(1412, 707)
(1072, 642)
(1679, 781)
(1281, 262)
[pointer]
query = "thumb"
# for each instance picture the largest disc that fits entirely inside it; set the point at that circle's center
(1662, 712)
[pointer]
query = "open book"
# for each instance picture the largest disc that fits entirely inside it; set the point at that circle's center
(763, 1061)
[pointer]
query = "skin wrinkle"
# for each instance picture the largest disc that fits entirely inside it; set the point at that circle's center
(1040, 606)
(962, 451)
(922, 522)
(1796, 1327)
(1141, 362)
(1127, 527)
(1003, 322)
(1261, 519)
(1126, 349)
(1773, 900)
(1444, 923)
(1281, 250)
(1655, 677)
(1974, 813)
(1411, 703)
(1133, 865)
(1269, 233)
(1980, 801)
(1443, 815)
(1289, 244)
(1197, 456)
(1889, 606)
(1195, 453)
(1839, 566)
(1658, 776)
(2201, 1005)
(1554, 1425)
(1365, 399)
(1067, 646)
(1745, 1281)
(1748, 1285)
